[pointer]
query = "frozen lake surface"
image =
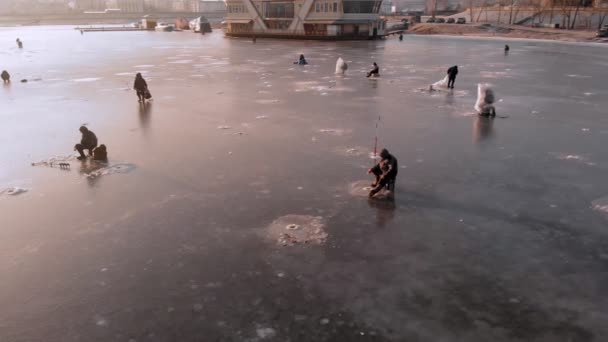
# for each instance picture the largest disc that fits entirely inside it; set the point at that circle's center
(498, 231)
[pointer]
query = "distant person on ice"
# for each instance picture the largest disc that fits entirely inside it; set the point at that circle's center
(19, 43)
(385, 172)
(400, 37)
(6, 77)
(88, 142)
(375, 71)
(507, 48)
(141, 87)
(452, 72)
(301, 61)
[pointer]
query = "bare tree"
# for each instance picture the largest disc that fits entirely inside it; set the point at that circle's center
(471, 4)
(511, 12)
(499, 11)
(484, 6)
(578, 5)
(601, 15)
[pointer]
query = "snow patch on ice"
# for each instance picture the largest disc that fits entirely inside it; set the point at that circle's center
(289, 230)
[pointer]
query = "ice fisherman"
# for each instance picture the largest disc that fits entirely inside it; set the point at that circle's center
(507, 48)
(375, 71)
(6, 77)
(19, 43)
(400, 37)
(141, 87)
(88, 142)
(485, 100)
(452, 72)
(386, 173)
(301, 61)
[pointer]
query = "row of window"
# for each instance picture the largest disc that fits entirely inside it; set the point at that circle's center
(326, 7)
(278, 9)
(236, 9)
(364, 6)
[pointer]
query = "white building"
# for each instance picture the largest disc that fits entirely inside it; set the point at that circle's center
(307, 19)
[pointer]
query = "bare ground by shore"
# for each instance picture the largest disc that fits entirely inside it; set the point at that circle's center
(505, 31)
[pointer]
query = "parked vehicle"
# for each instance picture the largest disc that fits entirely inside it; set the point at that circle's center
(440, 20)
(164, 27)
(461, 21)
(450, 21)
(603, 32)
(430, 20)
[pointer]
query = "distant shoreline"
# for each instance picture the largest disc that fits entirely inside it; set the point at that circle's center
(505, 32)
(96, 19)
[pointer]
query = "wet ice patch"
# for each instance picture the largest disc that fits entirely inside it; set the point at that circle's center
(261, 117)
(224, 127)
(181, 61)
(352, 151)
(289, 230)
(265, 333)
(101, 321)
(271, 101)
(86, 79)
(574, 157)
(13, 191)
(360, 188)
(578, 76)
(333, 131)
(110, 170)
(144, 66)
(601, 205)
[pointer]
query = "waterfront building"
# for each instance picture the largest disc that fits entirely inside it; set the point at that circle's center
(308, 19)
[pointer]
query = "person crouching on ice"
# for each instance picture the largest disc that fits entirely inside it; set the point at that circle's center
(386, 173)
(375, 71)
(140, 87)
(88, 142)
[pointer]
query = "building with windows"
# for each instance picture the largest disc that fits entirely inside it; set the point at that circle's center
(130, 6)
(307, 19)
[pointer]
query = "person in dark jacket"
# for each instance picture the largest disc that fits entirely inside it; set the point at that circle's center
(19, 43)
(386, 173)
(375, 71)
(6, 77)
(452, 72)
(141, 87)
(88, 142)
(400, 37)
(301, 61)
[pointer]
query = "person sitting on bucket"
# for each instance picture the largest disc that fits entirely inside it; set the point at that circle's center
(88, 142)
(301, 61)
(385, 172)
(141, 87)
(375, 71)
(6, 77)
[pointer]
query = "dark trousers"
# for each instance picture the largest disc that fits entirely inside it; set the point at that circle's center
(451, 80)
(141, 94)
(80, 148)
(387, 182)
